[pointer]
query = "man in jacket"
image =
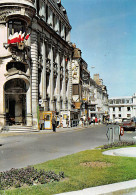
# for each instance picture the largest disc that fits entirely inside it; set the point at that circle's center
(54, 124)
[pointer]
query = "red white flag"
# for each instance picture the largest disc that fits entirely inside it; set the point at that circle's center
(18, 37)
(10, 36)
(27, 36)
(13, 38)
(23, 36)
(20, 34)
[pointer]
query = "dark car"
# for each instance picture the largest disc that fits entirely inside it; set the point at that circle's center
(129, 124)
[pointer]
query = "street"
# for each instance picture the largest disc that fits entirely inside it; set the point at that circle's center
(32, 148)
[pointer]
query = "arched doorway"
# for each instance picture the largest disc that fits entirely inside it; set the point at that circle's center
(15, 102)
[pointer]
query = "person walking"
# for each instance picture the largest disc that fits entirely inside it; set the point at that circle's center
(54, 124)
(96, 121)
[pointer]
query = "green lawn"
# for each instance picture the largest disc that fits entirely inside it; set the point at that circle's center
(79, 176)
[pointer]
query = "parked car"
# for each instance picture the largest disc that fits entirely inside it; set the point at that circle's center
(117, 120)
(129, 124)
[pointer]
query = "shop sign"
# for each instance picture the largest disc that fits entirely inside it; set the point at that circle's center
(75, 72)
(77, 105)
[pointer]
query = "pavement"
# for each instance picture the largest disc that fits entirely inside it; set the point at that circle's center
(110, 189)
(60, 129)
(118, 188)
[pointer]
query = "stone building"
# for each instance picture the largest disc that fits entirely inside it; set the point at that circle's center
(122, 107)
(35, 60)
(80, 83)
(99, 98)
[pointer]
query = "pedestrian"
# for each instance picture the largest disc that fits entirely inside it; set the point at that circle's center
(96, 121)
(84, 120)
(61, 122)
(89, 120)
(58, 121)
(81, 122)
(67, 121)
(54, 124)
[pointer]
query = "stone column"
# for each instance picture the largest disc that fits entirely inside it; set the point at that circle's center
(28, 107)
(58, 82)
(2, 106)
(44, 87)
(34, 57)
(64, 83)
(69, 84)
(51, 81)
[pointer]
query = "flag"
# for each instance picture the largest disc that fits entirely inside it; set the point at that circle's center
(20, 34)
(10, 36)
(23, 36)
(27, 36)
(13, 38)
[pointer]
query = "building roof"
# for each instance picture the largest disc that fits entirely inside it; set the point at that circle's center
(120, 97)
(61, 9)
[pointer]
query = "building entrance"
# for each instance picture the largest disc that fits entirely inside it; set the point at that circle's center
(15, 102)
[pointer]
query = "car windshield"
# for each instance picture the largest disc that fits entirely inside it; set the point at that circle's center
(134, 119)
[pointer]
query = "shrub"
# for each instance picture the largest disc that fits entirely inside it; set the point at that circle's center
(118, 144)
(29, 176)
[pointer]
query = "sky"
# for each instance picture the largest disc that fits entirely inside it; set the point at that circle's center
(105, 31)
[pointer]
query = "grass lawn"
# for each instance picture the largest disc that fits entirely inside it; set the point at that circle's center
(82, 170)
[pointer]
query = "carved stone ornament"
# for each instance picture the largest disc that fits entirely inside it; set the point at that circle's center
(9, 11)
(5, 12)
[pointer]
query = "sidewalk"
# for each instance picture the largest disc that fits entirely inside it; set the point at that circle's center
(60, 129)
(123, 188)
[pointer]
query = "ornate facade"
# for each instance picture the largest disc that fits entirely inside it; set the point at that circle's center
(35, 72)
(80, 82)
(98, 98)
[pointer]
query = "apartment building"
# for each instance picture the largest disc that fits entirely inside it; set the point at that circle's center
(98, 98)
(122, 107)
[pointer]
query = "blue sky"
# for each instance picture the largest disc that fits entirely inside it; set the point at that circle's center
(105, 31)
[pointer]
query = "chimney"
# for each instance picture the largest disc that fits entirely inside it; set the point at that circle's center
(96, 79)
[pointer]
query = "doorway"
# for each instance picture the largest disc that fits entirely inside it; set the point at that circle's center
(15, 102)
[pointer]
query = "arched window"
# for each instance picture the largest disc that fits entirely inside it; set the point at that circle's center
(15, 25)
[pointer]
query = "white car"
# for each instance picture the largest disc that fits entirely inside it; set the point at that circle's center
(117, 120)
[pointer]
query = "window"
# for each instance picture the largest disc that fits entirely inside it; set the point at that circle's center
(128, 115)
(127, 101)
(65, 33)
(123, 101)
(111, 101)
(46, 13)
(54, 21)
(38, 7)
(92, 108)
(16, 26)
(75, 89)
(113, 108)
(117, 101)
(119, 115)
(128, 108)
(60, 27)
(119, 108)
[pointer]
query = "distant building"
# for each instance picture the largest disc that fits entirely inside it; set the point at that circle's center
(98, 98)
(80, 83)
(122, 107)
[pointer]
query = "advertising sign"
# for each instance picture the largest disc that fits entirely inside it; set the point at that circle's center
(75, 72)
